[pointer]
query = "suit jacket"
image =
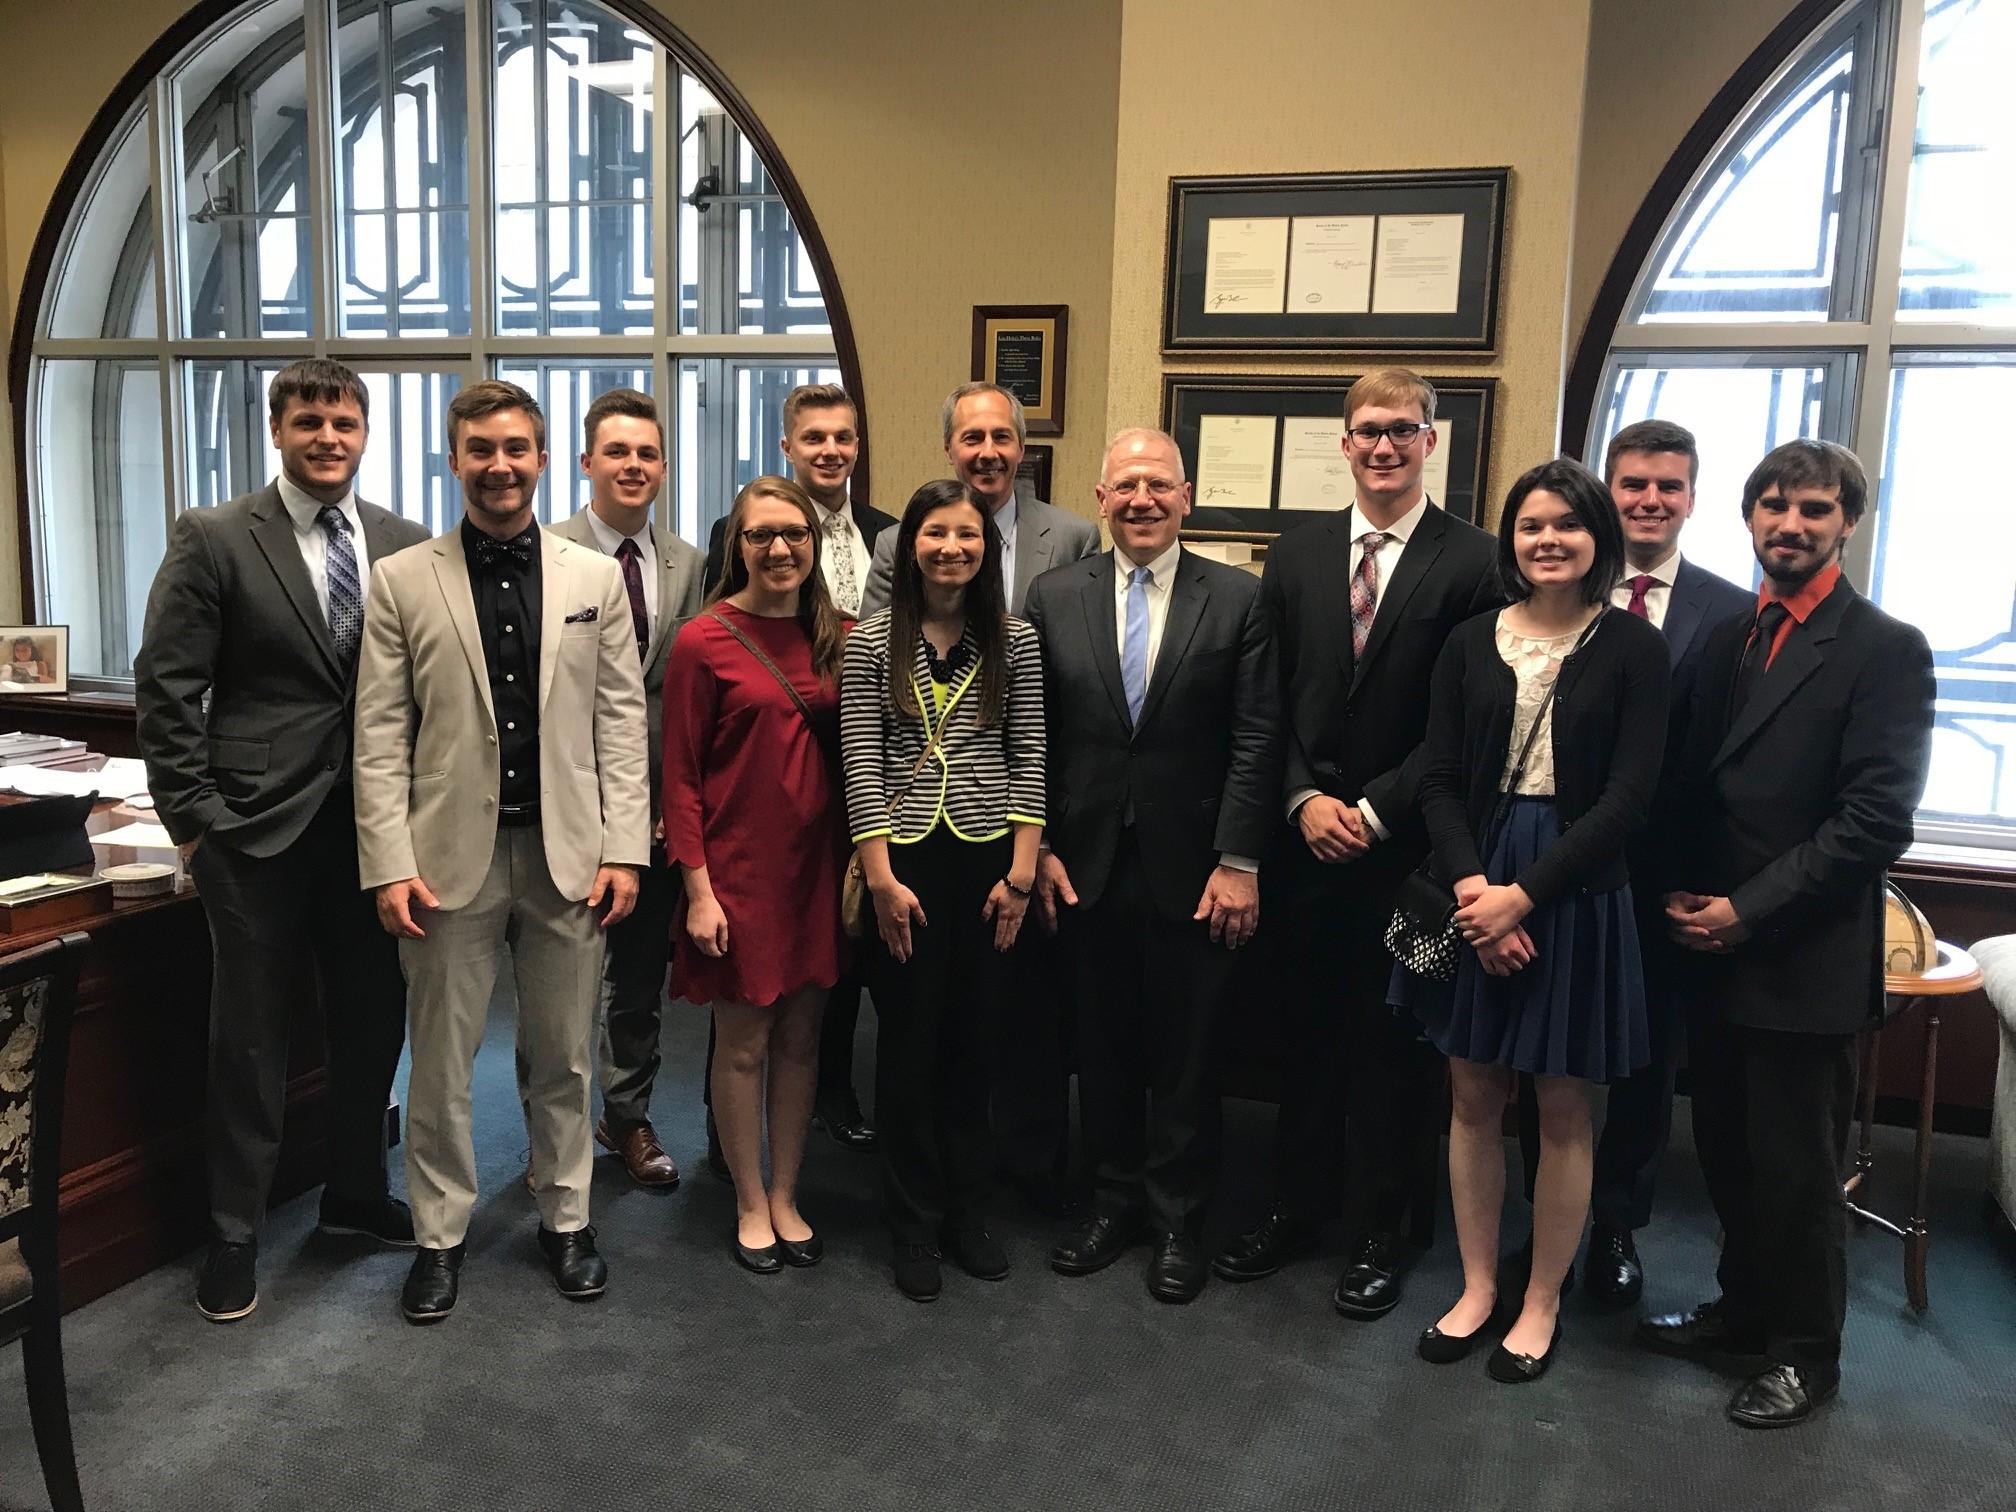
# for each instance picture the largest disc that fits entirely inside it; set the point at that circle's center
(426, 763)
(1045, 537)
(1796, 807)
(870, 522)
(1355, 724)
(233, 616)
(680, 568)
(1201, 771)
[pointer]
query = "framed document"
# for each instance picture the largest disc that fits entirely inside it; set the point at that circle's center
(1035, 470)
(1022, 348)
(34, 659)
(1264, 455)
(1335, 262)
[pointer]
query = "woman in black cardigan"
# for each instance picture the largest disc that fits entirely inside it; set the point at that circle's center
(1534, 850)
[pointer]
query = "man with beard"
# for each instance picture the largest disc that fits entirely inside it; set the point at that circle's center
(1805, 760)
(501, 802)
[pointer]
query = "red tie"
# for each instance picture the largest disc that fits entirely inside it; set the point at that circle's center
(1640, 586)
(1365, 590)
(633, 584)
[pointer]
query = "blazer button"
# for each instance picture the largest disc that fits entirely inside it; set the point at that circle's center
(328, 766)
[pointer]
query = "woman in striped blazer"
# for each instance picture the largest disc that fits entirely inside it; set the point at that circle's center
(941, 741)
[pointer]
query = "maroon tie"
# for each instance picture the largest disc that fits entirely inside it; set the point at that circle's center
(633, 584)
(1365, 590)
(1640, 586)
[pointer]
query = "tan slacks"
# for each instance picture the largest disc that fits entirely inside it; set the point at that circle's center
(556, 958)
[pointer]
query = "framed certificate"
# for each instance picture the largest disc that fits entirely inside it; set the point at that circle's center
(1022, 348)
(1335, 262)
(1264, 455)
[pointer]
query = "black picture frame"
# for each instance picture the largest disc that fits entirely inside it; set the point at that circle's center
(1466, 404)
(1038, 463)
(1024, 349)
(1385, 199)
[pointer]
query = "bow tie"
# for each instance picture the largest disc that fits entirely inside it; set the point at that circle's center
(492, 553)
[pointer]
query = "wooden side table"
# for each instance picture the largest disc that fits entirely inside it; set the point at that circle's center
(1953, 974)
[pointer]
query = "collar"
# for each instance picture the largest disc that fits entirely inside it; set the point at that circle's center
(472, 539)
(304, 508)
(1163, 567)
(608, 537)
(1663, 571)
(1004, 519)
(1402, 528)
(1811, 595)
(845, 512)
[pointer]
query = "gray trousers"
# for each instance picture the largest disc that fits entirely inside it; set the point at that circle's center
(556, 957)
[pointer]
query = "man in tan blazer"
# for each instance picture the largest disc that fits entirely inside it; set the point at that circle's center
(501, 801)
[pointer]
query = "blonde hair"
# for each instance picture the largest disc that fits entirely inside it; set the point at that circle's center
(1391, 388)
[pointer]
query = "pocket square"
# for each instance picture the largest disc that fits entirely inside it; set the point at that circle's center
(582, 616)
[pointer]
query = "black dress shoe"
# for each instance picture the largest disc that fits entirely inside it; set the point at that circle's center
(1176, 1271)
(765, 1260)
(918, 1273)
(1517, 1369)
(1099, 1241)
(1706, 1333)
(803, 1253)
(717, 1162)
(975, 1251)
(431, 1285)
(228, 1289)
(1262, 1251)
(578, 1270)
(386, 1219)
(840, 1115)
(1611, 1269)
(1370, 1285)
(1782, 1397)
(1438, 1348)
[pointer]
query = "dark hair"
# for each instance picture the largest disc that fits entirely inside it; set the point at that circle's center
(316, 380)
(1584, 493)
(634, 403)
(986, 603)
(1653, 436)
(816, 614)
(493, 396)
(1810, 464)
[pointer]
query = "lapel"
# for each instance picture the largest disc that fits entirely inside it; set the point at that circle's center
(379, 541)
(1032, 546)
(273, 531)
(1804, 653)
(1095, 594)
(1686, 606)
(1423, 547)
(671, 589)
(1188, 595)
(451, 572)
(553, 576)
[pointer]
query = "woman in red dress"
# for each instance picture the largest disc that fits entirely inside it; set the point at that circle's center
(753, 821)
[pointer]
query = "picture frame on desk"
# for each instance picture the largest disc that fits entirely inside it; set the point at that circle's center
(1023, 348)
(1266, 454)
(34, 660)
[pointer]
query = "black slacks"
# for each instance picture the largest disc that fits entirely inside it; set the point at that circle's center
(280, 927)
(634, 960)
(1030, 1084)
(1150, 992)
(935, 1016)
(1771, 1110)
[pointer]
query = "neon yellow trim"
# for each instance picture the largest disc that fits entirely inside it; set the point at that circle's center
(870, 834)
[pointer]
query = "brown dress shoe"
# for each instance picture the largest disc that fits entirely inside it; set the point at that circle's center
(643, 1157)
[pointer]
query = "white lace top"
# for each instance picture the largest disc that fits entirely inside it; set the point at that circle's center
(1535, 663)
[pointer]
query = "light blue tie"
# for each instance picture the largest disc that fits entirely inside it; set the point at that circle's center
(346, 602)
(1134, 649)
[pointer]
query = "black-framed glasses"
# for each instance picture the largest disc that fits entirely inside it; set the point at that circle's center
(760, 536)
(1400, 433)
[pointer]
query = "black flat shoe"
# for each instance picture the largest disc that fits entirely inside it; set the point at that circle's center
(803, 1253)
(1438, 1348)
(1782, 1397)
(766, 1261)
(1518, 1369)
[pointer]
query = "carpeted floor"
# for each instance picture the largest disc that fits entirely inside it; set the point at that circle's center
(694, 1385)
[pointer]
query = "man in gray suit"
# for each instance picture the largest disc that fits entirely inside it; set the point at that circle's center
(244, 685)
(624, 457)
(984, 434)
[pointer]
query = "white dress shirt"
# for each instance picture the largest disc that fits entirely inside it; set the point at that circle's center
(608, 538)
(1004, 521)
(1390, 551)
(1658, 595)
(1161, 582)
(302, 509)
(842, 534)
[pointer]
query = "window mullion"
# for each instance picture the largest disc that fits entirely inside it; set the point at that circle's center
(321, 196)
(478, 49)
(164, 116)
(665, 269)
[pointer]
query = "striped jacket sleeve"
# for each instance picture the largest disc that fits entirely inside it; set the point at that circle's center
(864, 696)
(1022, 720)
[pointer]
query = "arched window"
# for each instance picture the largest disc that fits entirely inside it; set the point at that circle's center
(1843, 264)
(558, 192)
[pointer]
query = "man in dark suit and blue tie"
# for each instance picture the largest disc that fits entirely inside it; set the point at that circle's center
(1165, 775)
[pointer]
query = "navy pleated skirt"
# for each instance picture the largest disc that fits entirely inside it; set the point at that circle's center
(1577, 1009)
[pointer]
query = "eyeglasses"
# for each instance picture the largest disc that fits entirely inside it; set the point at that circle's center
(760, 536)
(1400, 433)
(1127, 488)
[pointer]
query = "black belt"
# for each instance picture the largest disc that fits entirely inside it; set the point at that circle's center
(517, 815)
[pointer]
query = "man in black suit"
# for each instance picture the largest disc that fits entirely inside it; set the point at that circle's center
(821, 443)
(1361, 603)
(1165, 768)
(1805, 761)
(1651, 468)
(245, 685)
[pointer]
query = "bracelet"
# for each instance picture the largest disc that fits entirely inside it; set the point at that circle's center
(1020, 892)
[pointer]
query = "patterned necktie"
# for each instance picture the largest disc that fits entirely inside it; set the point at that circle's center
(1640, 586)
(1134, 648)
(633, 584)
(346, 602)
(1756, 654)
(1365, 590)
(840, 552)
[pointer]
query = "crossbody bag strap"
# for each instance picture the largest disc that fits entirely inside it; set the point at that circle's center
(797, 698)
(1539, 720)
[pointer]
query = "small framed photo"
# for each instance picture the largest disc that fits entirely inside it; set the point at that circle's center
(1022, 348)
(1037, 462)
(34, 659)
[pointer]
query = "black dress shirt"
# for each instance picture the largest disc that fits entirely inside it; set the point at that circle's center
(508, 602)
